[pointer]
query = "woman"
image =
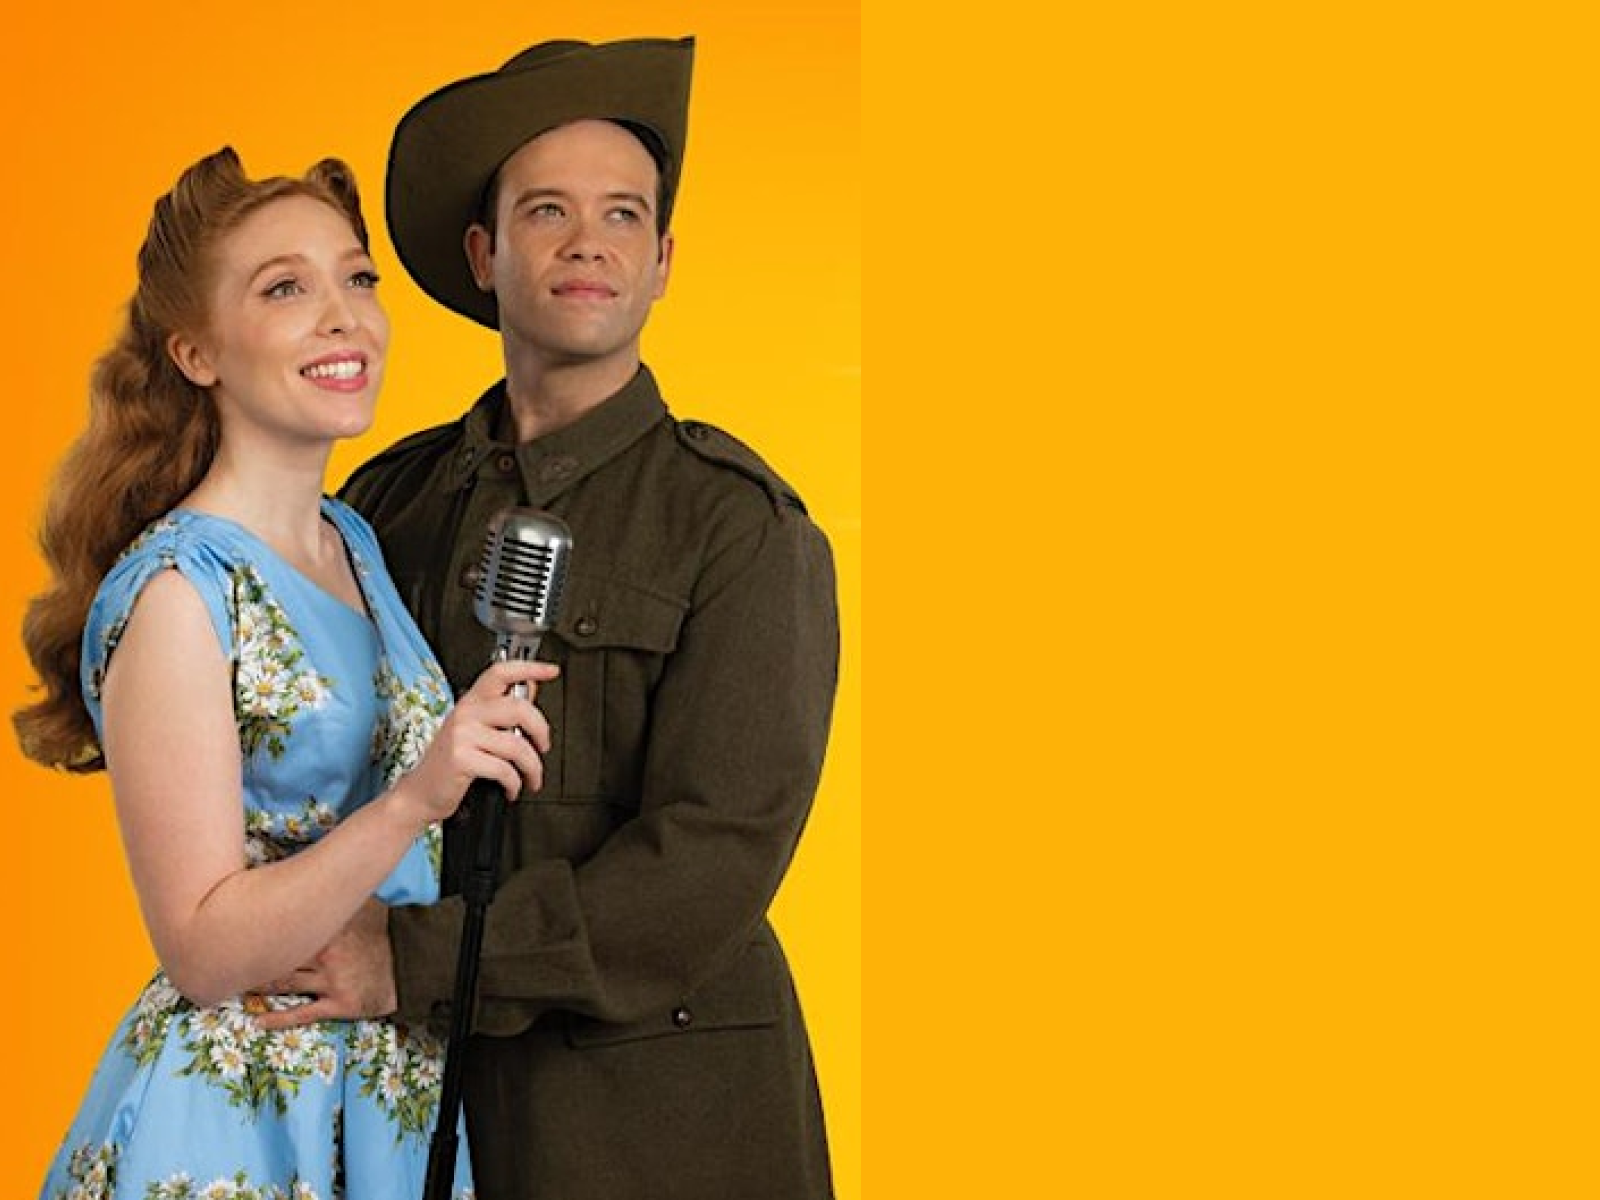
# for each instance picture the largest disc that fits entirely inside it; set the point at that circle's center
(226, 643)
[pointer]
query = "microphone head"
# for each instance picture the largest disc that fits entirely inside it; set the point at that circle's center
(522, 573)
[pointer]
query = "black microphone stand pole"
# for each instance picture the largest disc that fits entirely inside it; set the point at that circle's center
(487, 801)
(519, 591)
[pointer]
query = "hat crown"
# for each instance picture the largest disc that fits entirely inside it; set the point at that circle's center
(544, 52)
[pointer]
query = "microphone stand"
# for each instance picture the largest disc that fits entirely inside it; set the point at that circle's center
(487, 816)
(488, 811)
(519, 591)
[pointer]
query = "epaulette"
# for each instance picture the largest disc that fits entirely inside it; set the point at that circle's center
(724, 450)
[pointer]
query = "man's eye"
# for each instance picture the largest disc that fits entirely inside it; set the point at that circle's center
(548, 209)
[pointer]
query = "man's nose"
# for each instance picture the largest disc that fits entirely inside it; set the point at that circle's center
(584, 240)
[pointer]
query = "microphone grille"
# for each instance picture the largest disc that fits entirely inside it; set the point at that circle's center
(523, 572)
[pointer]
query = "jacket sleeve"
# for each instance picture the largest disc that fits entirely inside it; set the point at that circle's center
(738, 727)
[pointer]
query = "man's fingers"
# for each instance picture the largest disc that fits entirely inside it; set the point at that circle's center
(300, 1014)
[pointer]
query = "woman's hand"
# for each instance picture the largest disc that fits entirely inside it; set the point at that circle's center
(489, 734)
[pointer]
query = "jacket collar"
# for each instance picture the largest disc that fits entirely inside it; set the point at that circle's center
(551, 464)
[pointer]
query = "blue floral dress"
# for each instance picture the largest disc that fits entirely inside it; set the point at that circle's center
(332, 706)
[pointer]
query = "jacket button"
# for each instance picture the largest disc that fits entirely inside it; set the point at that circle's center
(682, 1018)
(586, 626)
(505, 463)
(695, 430)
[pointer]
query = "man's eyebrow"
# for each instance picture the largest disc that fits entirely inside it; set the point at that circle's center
(540, 193)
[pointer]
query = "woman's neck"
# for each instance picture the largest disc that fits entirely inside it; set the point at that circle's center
(282, 508)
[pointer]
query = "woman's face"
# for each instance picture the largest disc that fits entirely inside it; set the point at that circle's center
(295, 340)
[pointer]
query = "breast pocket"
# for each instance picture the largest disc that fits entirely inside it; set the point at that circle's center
(619, 636)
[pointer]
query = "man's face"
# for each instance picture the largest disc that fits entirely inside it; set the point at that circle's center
(575, 261)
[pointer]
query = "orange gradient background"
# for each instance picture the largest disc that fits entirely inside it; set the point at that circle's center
(1232, 433)
(759, 332)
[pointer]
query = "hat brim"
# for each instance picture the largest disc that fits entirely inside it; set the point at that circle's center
(447, 148)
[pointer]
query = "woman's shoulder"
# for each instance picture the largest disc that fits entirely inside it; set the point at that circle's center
(205, 551)
(362, 542)
(210, 552)
(358, 535)
(199, 545)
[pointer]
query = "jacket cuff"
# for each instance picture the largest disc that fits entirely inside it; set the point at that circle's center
(425, 942)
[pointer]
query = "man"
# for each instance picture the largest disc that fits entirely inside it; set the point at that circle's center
(638, 1033)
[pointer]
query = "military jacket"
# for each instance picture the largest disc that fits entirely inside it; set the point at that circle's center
(642, 1034)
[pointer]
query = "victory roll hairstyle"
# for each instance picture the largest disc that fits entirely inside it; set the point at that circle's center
(151, 433)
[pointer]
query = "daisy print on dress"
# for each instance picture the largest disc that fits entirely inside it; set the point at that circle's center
(411, 715)
(407, 721)
(111, 635)
(257, 1070)
(239, 1187)
(93, 1175)
(152, 1014)
(270, 836)
(270, 688)
(400, 1068)
(92, 1171)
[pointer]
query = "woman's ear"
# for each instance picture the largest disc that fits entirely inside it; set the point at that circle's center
(190, 358)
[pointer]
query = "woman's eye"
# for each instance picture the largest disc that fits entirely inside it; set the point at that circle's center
(364, 279)
(283, 288)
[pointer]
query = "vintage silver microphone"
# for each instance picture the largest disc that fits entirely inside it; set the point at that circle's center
(522, 574)
(521, 578)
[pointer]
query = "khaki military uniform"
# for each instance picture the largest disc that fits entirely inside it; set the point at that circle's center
(639, 1033)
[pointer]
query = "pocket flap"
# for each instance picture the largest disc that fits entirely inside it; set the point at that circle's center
(601, 611)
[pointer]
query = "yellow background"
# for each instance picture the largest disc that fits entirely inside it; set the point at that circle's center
(760, 332)
(1238, 363)
(1230, 429)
